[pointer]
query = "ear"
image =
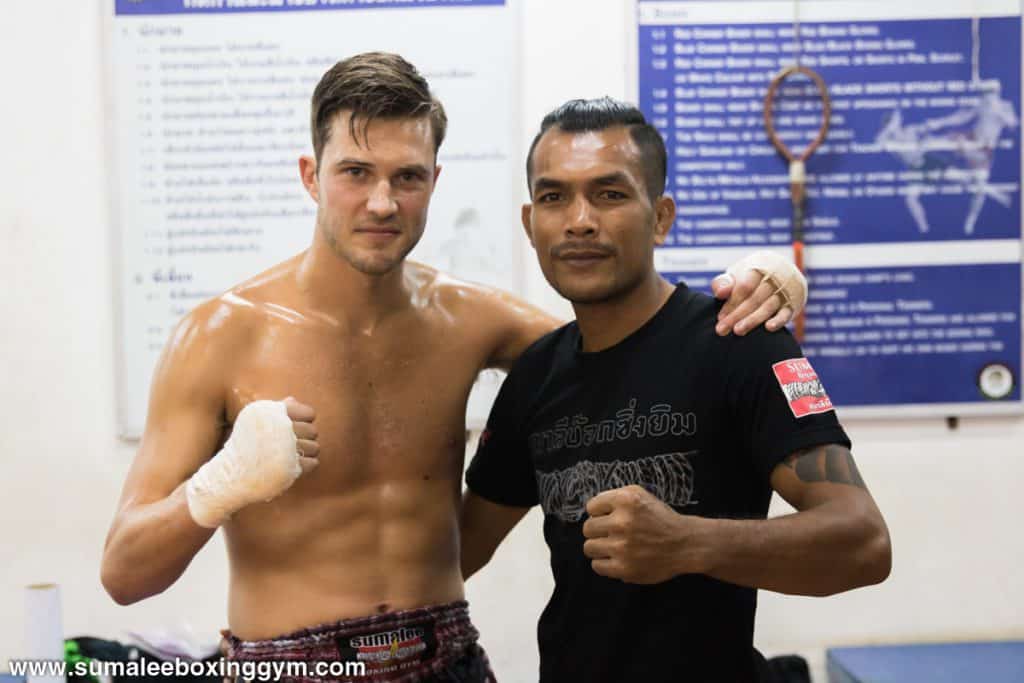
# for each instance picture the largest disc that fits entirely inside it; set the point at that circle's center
(307, 171)
(526, 214)
(664, 218)
(437, 173)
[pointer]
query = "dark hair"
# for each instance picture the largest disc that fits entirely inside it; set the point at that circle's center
(372, 85)
(576, 116)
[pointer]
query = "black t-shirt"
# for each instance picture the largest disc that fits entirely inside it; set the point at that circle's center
(697, 419)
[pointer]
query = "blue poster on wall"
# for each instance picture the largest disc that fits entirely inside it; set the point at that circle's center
(914, 206)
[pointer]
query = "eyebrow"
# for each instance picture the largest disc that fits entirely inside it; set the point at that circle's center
(616, 178)
(543, 183)
(347, 161)
(418, 169)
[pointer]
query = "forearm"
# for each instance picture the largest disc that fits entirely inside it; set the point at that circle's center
(823, 550)
(483, 525)
(474, 558)
(149, 547)
(477, 546)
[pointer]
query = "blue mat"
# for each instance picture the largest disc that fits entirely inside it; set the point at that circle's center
(992, 662)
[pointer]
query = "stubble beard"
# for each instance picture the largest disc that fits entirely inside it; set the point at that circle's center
(375, 265)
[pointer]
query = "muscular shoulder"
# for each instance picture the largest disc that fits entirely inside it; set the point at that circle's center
(219, 319)
(502, 322)
(217, 329)
(460, 298)
(208, 336)
(236, 314)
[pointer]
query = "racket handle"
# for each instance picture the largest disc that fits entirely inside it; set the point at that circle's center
(798, 259)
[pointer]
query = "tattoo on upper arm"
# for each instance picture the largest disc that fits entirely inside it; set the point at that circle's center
(830, 463)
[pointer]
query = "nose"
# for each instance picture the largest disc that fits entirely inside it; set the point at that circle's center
(380, 203)
(582, 221)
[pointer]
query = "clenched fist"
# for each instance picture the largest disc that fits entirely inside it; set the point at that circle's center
(272, 443)
(635, 537)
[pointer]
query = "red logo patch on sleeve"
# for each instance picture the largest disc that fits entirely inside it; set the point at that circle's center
(801, 386)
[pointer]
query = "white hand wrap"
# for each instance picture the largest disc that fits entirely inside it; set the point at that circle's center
(789, 283)
(258, 463)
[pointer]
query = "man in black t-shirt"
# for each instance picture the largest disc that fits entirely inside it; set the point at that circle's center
(652, 444)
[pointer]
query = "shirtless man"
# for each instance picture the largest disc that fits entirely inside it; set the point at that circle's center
(340, 504)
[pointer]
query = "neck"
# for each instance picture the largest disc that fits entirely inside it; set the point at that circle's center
(332, 286)
(605, 324)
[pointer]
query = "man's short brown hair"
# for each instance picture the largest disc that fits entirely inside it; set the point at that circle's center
(372, 85)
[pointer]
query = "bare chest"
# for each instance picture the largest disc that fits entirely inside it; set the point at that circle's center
(389, 407)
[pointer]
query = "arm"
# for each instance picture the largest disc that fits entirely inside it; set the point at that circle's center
(153, 537)
(836, 541)
(759, 287)
(501, 483)
(172, 502)
(483, 526)
(517, 324)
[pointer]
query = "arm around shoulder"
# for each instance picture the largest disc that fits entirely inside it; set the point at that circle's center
(517, 325)
(761, 288)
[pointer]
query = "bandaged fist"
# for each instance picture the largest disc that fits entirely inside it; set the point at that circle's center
(633, 536)
(760, 287)
(272, 443)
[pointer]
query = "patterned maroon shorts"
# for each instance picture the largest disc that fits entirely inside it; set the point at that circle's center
(428, 644)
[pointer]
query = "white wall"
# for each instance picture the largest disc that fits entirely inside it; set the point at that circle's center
(951, 497)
